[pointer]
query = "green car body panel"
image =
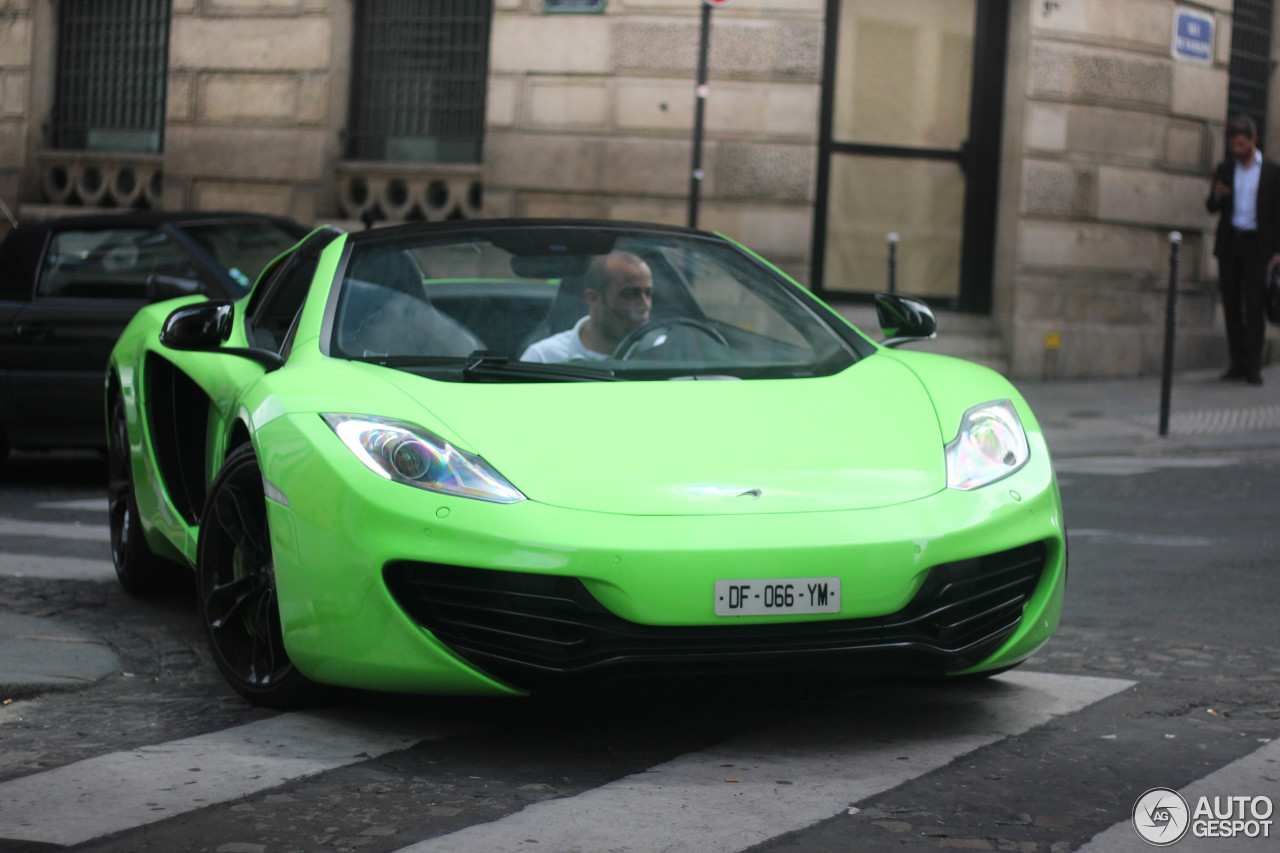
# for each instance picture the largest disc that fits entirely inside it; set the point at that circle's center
(647, 492)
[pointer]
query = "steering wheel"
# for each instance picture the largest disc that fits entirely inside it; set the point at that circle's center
(629, 347)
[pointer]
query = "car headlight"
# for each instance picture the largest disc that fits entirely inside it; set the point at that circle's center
(414, 456)
(991, 445)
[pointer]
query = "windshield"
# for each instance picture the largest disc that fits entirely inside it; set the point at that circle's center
(243, 249)
(567, 302)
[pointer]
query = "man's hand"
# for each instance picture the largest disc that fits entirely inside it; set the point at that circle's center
(1221, 190)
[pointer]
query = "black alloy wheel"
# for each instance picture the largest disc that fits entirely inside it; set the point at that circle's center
(235, 579)
(138, 569)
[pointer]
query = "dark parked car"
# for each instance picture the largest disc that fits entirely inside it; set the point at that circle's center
(69, 286)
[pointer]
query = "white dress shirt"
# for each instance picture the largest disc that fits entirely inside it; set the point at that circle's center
(1244, 193)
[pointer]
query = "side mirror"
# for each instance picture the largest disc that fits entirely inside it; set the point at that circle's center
(198, 327)
(162, 287)
(204, 326)
(903, 319)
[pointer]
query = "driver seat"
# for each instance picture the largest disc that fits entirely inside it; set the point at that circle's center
(567, 307)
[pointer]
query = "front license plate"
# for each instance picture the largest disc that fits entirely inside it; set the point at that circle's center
(777, 596)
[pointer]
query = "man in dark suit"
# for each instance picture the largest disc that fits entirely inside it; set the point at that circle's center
(1246, 191)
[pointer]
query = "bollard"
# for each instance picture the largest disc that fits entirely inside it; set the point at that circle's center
(1049, 362)
(1170, 331)
(892, 240)
(696, 174)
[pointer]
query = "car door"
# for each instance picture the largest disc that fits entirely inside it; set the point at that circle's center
(88, 285)
(183, 389)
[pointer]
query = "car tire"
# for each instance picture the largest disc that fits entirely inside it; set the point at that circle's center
(235, 582)
(138, 569)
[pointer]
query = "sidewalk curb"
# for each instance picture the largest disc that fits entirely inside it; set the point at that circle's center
(38, 655)
(1120, 417)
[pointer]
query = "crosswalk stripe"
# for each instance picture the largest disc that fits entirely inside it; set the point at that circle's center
(56, 568)
(753, 788)
(124, 790)
(1255, 775)
(1128, 465)
(55, 530)
(97, 504)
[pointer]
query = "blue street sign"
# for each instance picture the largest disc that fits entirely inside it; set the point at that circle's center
(1193, 36)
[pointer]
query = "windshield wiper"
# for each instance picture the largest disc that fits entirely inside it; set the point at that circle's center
(486, 364)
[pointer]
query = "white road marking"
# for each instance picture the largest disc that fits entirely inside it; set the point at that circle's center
(55, 530)
(758, 786)
(1255, 775)
(98, 504)
(1121, 466)
(124, 790)
(1116, 537)
(56, 568)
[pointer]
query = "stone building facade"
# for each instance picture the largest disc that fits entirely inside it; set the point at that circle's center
(1109, 142)
(1032, 155)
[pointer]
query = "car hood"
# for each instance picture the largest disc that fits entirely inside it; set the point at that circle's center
(866, 437)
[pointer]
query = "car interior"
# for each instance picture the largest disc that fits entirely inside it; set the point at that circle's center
(111, 264)
(386, 312)
(456, 300)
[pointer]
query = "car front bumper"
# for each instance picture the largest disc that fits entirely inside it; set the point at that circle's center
(385, 586)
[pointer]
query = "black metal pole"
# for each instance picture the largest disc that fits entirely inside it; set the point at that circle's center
(699, 112)
(1170, 331)
(892, 240)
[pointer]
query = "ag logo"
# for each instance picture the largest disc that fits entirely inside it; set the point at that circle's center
(1161, 817)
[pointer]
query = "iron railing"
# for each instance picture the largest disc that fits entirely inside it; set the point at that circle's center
(419, 75)
(112, 65)
(1250, 69)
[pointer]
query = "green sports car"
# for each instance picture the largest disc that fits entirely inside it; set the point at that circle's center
(502, 456)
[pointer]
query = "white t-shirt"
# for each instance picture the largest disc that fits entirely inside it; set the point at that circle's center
(565, 346)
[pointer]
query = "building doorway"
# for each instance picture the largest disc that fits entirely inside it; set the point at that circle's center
(909, 145)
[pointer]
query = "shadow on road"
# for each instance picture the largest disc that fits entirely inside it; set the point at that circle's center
(64, 469)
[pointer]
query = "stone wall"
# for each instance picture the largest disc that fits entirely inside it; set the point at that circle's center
(257, 94)
(592, 115)
(16, 49)
(1110, 142)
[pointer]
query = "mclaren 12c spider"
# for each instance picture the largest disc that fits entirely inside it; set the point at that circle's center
(498, 457)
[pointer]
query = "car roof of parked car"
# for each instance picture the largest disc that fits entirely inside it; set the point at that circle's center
(147, 219)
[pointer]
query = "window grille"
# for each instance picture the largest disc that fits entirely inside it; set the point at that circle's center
(419, 72)
(112, 65)
(1250, 68)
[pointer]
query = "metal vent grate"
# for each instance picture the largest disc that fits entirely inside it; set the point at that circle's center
(112, 65)
(419, 75)
(533, 630)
